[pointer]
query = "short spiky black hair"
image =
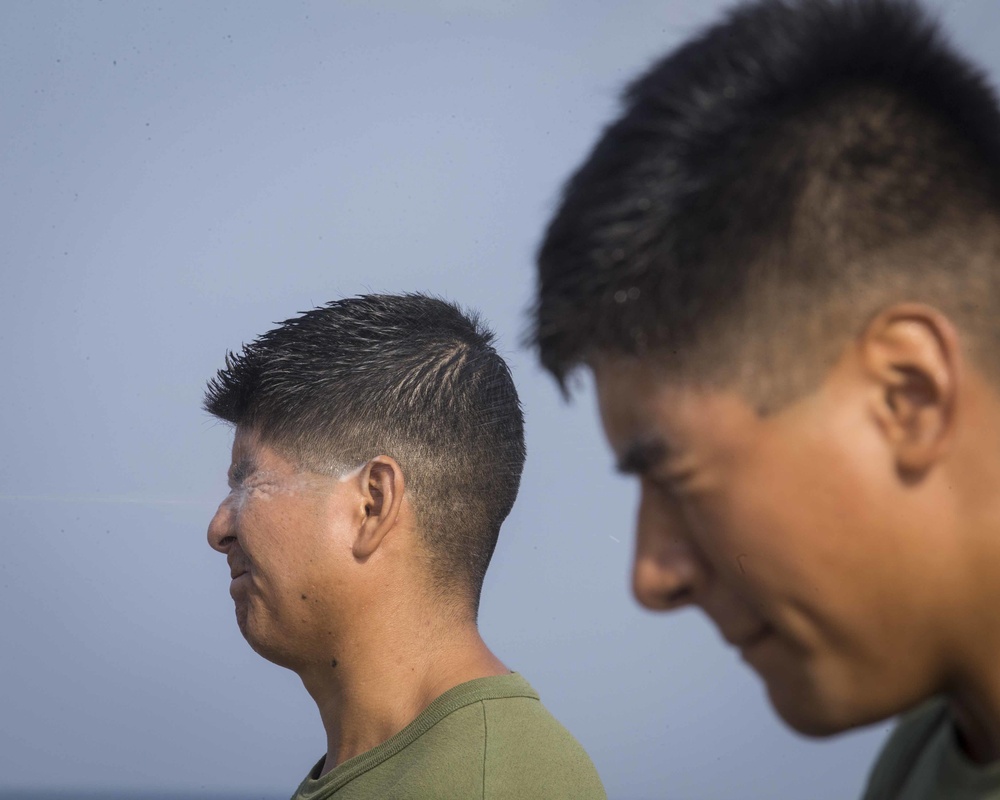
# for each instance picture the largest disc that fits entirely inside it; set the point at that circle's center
(409, 376)
(766, 170)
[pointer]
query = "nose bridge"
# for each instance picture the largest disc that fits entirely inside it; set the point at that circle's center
(220, 526)
(667, 569)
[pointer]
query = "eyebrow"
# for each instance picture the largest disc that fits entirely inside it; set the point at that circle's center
(643, 456)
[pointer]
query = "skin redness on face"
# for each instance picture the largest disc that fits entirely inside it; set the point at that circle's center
(791, 534)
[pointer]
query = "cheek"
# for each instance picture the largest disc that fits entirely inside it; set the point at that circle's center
(782, 525)
(740, 534)
(810, 539)
(295, 539)
(265, 536)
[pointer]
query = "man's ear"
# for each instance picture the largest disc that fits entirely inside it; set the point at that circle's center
(912, 354)
(381, 483)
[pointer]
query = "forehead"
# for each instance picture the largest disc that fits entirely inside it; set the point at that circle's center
(252, 454)
(635, 393)
(643, 407)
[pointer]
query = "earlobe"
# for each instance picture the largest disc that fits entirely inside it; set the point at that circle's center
(382, 483)
(911, 352)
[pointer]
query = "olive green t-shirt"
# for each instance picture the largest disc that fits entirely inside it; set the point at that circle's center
(487, 738)
(923, 761)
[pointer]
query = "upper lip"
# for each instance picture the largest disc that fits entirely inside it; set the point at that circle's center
(235, 570)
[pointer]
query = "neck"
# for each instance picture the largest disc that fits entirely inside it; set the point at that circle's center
(384, 676)
(975, 698)
(978, 732)
(974, 685)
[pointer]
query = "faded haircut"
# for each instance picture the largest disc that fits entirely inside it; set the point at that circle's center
(768, 187)
(408, 376)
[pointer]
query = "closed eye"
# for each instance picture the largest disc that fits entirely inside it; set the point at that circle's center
(239, 472)
(642, 457)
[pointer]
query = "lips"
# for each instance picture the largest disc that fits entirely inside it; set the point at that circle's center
(236, 566)
(237, 586)
(759, 637)
(744, 640)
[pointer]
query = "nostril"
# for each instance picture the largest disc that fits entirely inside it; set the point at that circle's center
(679, 596)
(218, 536)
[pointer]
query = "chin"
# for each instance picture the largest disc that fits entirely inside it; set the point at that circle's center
(810, 723)
(817, 714)
(257, 642)
(241, 619)
(270, 650)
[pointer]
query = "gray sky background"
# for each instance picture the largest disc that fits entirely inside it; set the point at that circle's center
(177, 176)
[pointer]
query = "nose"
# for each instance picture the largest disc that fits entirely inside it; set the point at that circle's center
(668, 571)
(220, 530)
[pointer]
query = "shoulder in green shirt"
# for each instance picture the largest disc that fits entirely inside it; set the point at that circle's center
(490, 738)
(923, 761)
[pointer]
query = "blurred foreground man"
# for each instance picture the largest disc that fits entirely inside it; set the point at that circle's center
(379, 446)
(782, 265)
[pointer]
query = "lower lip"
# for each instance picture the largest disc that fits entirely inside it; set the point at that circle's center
(238, 580)
(748, 647)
